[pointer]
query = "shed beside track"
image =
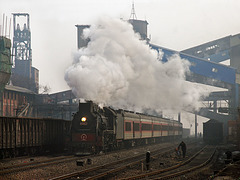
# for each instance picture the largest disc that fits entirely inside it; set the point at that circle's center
(213, 132)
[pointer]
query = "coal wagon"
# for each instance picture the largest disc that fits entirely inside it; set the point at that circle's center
(20, 135)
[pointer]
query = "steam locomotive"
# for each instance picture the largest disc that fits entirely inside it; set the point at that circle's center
(96, 129)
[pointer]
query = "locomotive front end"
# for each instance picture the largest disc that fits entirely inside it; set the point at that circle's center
(85, 139)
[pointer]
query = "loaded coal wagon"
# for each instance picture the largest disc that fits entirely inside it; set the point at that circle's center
(19, 136)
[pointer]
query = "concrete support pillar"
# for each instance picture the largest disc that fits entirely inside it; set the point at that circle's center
(215, 106)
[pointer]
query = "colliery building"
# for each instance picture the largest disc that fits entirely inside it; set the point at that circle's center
(23, 74)
(22, 102)
(19, 90)
(16, 101)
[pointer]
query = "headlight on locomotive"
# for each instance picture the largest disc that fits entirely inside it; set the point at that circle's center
(83, 119)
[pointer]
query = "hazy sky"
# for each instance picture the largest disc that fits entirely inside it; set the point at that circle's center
(175, 24)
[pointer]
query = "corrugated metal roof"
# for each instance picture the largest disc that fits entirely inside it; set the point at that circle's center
(18, 89)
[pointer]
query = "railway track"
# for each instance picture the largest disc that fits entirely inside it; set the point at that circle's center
(106, 169)
(37, 164)
(197, 161)
(110, 169)
(34, 164)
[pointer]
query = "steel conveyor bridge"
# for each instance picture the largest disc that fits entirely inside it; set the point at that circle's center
(206, 70)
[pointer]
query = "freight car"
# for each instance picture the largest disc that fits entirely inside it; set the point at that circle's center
(19, 136)
(96, 129)
(212, 132)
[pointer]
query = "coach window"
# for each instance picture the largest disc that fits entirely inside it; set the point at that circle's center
(136, 126)
(146, 127)
(156, 127)
(127, 126)
(164, 128)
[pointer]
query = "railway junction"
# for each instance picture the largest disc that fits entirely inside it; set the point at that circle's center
(201, 162)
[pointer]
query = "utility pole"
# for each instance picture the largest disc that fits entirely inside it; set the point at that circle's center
(196, 125)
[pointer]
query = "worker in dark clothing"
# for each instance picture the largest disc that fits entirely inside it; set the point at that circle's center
(183, 148)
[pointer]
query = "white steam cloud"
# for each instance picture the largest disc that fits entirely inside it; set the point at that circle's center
(118, 69)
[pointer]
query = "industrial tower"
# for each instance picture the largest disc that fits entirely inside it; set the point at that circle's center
(139, 26)
(23, 74)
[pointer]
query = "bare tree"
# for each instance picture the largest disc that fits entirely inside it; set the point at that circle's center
(44, 89)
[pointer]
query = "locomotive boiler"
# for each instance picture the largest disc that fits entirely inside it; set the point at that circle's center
(96, 129)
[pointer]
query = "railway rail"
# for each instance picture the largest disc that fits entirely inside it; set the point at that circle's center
(104, 170)
(197, 161)
(110, 169)
(34, 164)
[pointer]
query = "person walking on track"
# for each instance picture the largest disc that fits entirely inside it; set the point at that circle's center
(183, 148)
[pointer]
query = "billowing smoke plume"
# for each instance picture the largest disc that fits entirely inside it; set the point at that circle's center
(118, 69)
